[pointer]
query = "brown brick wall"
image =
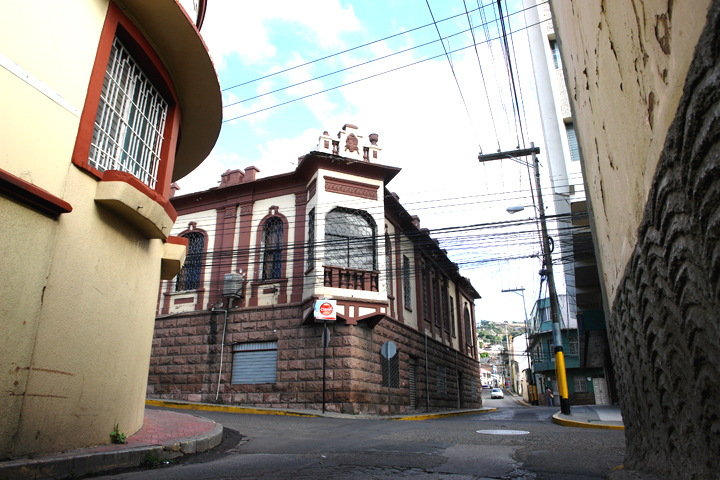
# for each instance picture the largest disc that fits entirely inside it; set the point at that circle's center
(186, 360)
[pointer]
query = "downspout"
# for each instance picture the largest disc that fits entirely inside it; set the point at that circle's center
(457, 379)
(222, 347)
(427, 375)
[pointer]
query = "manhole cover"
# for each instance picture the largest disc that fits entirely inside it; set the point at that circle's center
(503, 432)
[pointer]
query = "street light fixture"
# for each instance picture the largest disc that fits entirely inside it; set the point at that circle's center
(547, 260)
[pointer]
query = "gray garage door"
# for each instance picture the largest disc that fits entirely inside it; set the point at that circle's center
(254, 362)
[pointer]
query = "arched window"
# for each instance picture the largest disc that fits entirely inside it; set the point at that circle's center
(350, 239)
(272, 243)
(189, 276)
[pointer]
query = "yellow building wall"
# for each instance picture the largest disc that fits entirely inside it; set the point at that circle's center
(26, 261)
(78, 293)
(92, 348)
(626, 65)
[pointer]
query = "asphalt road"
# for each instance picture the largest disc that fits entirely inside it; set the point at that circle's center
(280, 447)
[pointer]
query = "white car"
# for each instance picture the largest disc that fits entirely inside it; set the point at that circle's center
(497, 393)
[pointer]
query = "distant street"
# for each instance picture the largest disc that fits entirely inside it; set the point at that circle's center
(287, 447)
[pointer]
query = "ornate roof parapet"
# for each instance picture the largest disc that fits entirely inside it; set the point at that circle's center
(350, 144)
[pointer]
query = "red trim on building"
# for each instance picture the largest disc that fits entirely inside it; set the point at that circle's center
(117, 24)
(244, 236)
(32, 196)
(298, 267)
(225, 226)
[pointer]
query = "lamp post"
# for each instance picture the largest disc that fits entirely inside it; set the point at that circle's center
(547, 270)
(532, 389)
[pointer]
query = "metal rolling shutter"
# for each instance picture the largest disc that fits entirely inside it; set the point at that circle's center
(254, 363)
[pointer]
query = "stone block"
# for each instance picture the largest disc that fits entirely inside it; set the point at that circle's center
(254, 398)
(296, 365)
(271, 398)
(287, 376)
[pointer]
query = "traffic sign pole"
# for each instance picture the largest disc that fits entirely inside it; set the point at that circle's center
(325, 340)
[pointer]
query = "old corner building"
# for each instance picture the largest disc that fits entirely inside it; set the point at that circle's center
(330, 228)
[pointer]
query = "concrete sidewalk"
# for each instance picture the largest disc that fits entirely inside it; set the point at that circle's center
(164, 435)
(211, 407)
(591, 416)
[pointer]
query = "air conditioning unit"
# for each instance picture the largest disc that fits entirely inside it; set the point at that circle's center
(233, 285)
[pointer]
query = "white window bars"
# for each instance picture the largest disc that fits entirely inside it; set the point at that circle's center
(130, 120)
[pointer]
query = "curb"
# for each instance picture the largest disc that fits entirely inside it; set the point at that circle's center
(227, 408)
(298, 413)
(572, 423)
(77, 464)
(429, 416)
(517, 399)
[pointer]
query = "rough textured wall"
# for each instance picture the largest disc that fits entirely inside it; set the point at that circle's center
(186, 360)
(625, 64)
(664, 324)
(644, 82)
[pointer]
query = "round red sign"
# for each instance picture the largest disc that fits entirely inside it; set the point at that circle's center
(326, 309)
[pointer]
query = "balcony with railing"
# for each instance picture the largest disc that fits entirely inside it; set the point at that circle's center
(352, 279)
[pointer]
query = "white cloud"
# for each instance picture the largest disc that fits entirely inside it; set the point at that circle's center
(233, 27)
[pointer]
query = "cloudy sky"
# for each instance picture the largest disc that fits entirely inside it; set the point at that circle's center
(426, 125)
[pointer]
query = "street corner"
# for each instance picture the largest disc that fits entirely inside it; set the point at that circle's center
(582, 421)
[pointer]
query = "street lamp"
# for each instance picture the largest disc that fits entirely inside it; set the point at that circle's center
(547, 260)
(532, 393)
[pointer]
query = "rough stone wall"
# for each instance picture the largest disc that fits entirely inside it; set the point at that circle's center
(186, 360)
(664, 326)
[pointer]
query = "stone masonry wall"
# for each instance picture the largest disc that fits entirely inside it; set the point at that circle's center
(664, 328)
(186, 360)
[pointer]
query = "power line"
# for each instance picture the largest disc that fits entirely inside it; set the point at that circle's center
(366, 78)
(437, 29)
(344, 51)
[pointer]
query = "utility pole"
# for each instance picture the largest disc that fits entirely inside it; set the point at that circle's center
(547, 270)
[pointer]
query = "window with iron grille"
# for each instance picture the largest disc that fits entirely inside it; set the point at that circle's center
(574, 345)
(272, 243)
(189, 276)
(435, 299)
(444, 304)
(580, 384)
(468, 327)
(423, 280)
(407, 295)
(473, 388)
(452, 315)
(441, 380)
(130, 120)
(388, 265)
(311, 240)
(350, 239)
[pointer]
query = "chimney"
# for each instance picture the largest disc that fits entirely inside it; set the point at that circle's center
(416, 221)
(231, 177)
(174, 187)
(250, 173)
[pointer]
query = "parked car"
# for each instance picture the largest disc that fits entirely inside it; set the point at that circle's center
(485, 386)
(497, 393)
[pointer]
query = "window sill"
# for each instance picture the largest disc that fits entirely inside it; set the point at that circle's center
(173, 257)
(136, 203)
(408, 308)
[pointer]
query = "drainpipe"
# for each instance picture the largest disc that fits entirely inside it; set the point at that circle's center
(427, 376)
(222, 347)
(457, 379)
